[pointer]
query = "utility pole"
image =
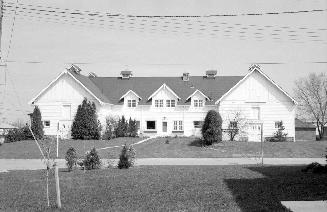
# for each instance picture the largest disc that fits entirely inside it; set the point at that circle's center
(2, 69)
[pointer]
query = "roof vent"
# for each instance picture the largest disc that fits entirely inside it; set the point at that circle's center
(75, 69)
(92, 74)
(186, 76)
(126, 74)
(211, 74)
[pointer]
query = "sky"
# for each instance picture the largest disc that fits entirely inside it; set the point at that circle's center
(105, 37)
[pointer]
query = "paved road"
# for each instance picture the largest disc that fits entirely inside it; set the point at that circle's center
(35, 164)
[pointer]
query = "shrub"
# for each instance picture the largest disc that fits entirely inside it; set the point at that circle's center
(71, 158)
(85, 124)
(14, 135)
(127, 157)
(211, 128)
(279, 135)
(36, 123)
(122, 126)
(316, 168)
(92, 160)
(111, 125)
(132, 128)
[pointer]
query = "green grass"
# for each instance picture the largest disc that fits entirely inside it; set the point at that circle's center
(164, 188)
(29, 150)
(177, 148)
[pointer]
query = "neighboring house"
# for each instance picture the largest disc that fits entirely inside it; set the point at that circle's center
(170, 105)
(304, 131)
(4, 129)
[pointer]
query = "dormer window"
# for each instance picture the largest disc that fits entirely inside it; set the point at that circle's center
(158, 103)
(198, 103)
(170, 103)
(131, 103)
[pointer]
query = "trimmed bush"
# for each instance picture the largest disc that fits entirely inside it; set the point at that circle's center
(92, 160)
(37, 125)
(71, 158)
(211, 128)
(85, 124)
(20, 134)
(127, 157)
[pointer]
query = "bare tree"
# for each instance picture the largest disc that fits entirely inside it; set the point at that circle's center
(311, 94)
(236, 124)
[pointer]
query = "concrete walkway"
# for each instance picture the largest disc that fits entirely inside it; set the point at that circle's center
(139, 142)
(303, 206)
(35, 164)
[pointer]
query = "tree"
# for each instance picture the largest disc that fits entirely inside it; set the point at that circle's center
(237, 124)
(311, 94)
(85, 124)
(211, 129)
(36, 123)
(279, 135)
(111, 125)
(126, 157)
(132, 128)
(121, 130)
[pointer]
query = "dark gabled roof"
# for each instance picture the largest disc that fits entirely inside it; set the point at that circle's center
(111, 89)
(87, 82)
(302, 124)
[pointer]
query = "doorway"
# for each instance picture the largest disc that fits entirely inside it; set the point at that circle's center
(164, 126)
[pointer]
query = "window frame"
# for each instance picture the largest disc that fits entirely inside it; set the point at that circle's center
(44, 124)
(131, 103)
(199, 125)
(155, 125)
(158, 103)
(178, 125)
(170, 103)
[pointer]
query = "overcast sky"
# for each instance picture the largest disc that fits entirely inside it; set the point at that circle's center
(288, 45)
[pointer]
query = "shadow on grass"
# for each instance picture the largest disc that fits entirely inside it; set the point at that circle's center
(197, 142)
(280, 183)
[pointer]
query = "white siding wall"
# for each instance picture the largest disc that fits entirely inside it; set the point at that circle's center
(65, 91)
(257, 91)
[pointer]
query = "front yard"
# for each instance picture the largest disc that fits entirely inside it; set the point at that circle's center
(176, 148)
(164, 188)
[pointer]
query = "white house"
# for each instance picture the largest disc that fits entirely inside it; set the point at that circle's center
(170, 105)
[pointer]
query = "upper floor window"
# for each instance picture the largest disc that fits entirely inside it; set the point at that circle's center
(158, 103)
(198, 103)
(131, 103)
(170, 103)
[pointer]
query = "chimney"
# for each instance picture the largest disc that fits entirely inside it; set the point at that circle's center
(126, 74)
(211, 74)
(186, 76)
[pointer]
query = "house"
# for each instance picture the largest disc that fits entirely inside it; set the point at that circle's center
(4, 129)
(304, 131)
(170, 105)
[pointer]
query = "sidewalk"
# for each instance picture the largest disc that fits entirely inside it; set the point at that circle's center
(35, 164)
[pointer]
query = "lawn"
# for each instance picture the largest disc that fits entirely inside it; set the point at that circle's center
(182, 147)
(29, 150)
(164, 188)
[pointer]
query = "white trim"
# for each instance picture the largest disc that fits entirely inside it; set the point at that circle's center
(197, 90)
(52, 82)
(128, 93)
(246, 76)
(161, 87)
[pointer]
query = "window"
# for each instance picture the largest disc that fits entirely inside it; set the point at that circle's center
(178, 125)
(158, 103)
(198, 124)
(256, 113)
(278, 124)
(46, 123)
(233, 124)
(198, 103)
(170, 103)
(150, 125)
(131, 103)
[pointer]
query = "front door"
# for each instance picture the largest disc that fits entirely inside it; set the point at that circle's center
(254, 132)
(164, 126)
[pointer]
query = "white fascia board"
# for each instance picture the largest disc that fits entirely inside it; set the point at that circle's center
(246, 76)
(130, 91)
(197, 90)
(161, 87)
